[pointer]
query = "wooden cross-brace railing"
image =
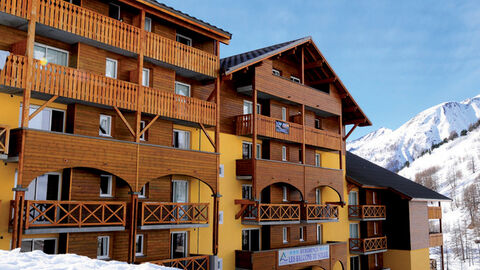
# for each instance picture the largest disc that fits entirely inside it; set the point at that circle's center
(321, 212)
(200, 262)
(366, 211)
(153, 213)
(364, 245)
(255, 211)
(4, 139)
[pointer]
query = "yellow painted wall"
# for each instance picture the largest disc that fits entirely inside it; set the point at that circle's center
(407, 259)
(9, 115)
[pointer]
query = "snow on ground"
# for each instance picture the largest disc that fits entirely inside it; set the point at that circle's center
(37, 260)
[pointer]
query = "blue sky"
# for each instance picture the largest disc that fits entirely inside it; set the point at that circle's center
(396, 58)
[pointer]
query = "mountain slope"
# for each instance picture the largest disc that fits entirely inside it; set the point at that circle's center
(392, 149)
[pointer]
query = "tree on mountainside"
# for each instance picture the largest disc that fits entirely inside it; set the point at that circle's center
(470, 202)
(427, 178)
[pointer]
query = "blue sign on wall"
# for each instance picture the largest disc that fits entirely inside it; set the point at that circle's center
(282, 127)
(303, 254)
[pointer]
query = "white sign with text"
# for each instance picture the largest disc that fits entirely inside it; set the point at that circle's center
(303, 254)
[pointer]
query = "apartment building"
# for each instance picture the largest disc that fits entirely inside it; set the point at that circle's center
(395, 223)
(282, 121)
(109, 130)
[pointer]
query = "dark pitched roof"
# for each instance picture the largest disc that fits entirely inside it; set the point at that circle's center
(231, 63)
(366, 173)
(189, 17)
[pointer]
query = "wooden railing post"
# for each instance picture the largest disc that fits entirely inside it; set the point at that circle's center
(133, 227)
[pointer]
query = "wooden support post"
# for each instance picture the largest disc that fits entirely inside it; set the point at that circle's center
(17, 230)
(217, 150)
(342, 147)
(441, 231)
(141, 88)
(254, 141)
(350, 132)
(303, 148)
(208, 136)
(133, 227)
(303, 66)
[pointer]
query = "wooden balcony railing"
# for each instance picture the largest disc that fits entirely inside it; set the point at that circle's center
(89, 24)
(436, 239)
(154, 213)
(200, 262)
(268, 212)
(267, 126)
(74, 214)
(4, 139)
(320, 212)
(86, 86)
(366, 245)
(434, 212)
(366, 211)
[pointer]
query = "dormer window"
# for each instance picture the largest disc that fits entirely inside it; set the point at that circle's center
(276, 72)
(184, 40)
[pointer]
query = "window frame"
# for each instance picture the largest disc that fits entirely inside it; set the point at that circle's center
(284, 113)
(186, 242)
(318, 160)
(115, 66)
(285, 235)
(295, 79)
(250, 103)
(188, 147)
(319, 234)
(276, 72)
(119, 17)
(143, 192)
(149, 28)
(356, 197)
(185, 37)
(143, 124)
(41, 239)
(284, 193)
(302, 234)
(104, 257)
(47, 47)
(147, 70)
(250, 149)
(318, 196)
(109, 134)
(318, 124)
(50, 109)
(184, 84)
(110, 186)
(357, 230)
(284, 153)
(141, 253)
(250, 237)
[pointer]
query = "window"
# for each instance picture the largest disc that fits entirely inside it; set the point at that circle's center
(353, 198)
(221, 170)
(284, 153)
(142, 127)
(148, 24)
(284, 193)
(182, 89)
(295, 79)
(139, 245)
(181, 139)
(46, 245)
(143, 192)
(354, 231)
(48, 119)
(50, 54)
(247, 192)
(285, 235)
(105, 125)
(146, 77)
(318, 196)
(178, 245)
(300, 155)
(355, 263)
(251, 239)
(302, 234)
(376, 259)
(45, 187)
(248, 107)
(318, 124)
(284, 114)
(103, 247)
(111, 68)
(247, 150)
(317, 160)
(184, 40)
(106, 186)
(114, 11)
(375, 230)
(276, 72)
(180, 191)
(319, 234)
(374, 197)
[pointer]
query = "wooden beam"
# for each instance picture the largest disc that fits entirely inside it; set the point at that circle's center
(125, 121)
(52, 99)
(344, 95)
(323, 81)
(240, 213)
(227, 77)
(351, 109)
(244, 201)
(212, 95)
(303, 66)
(315, 64)
(208, 136)
(149, 125)
(354, 121)
(350, 132)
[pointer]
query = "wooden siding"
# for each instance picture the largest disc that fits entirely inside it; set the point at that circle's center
(49, 151)
(92, 25)
(418, 216)
(435, 239)
(268, 83)
(85, 86)
(434, 212)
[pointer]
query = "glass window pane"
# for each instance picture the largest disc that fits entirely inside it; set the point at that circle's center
(56, 57)
(26, 246)
(146, 77)
(182, 89)
(39, 52)
(111, 68)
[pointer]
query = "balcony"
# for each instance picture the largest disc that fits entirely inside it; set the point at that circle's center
(72, 216)
(52, 151)
(317, 213)
(64, 21)
(4, 141)
(315, 255)
(84, 86)
(366, 246)
(195, 262)
(435, 239)
(434, 212)
(267, 127)
(367, 212)
(255, 213)
(159, 215)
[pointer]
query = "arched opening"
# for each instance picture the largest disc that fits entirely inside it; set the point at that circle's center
(324, 194)
(338, 266)
(281, 192)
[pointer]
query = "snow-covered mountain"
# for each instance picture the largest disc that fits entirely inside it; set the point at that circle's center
(391, 149)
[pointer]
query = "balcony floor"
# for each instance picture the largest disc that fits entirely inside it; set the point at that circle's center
(367, 219)
(313, 221)
(74, 229)
(369, 252)
(172, 226)
(285, 222)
